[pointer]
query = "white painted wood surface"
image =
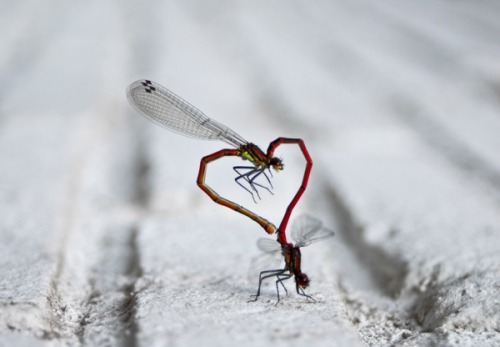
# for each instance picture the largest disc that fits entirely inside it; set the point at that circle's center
(107, 241)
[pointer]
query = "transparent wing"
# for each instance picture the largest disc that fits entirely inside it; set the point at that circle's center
(270, 259)
(268, 245)
(307, 230)
(168, 110)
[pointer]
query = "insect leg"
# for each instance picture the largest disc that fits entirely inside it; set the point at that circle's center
(301, 292)
(281, 278)
(265, 275)
(252, 179)
(245, 176)
(256, 172)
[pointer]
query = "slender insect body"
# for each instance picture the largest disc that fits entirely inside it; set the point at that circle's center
(170, 111)
(305, 231)
(301, 278)
(166, 109)
(255, 155)
(287, 253)
(293, 258)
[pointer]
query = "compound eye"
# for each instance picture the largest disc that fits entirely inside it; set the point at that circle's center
(277, 164)
(303, 280)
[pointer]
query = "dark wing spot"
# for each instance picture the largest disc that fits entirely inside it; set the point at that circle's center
(149, 86)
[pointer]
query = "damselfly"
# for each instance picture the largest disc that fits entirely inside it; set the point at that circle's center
(166, 109)
(305, 231)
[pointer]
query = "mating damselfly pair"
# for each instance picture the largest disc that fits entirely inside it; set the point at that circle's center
(168, 110)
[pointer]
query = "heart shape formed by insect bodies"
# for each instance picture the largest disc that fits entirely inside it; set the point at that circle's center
(269, 227)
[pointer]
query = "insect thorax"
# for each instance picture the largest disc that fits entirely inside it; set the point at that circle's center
(254, 154)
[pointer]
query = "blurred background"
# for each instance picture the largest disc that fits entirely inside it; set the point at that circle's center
(397, 101)
(342, 76)
(294, 67)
